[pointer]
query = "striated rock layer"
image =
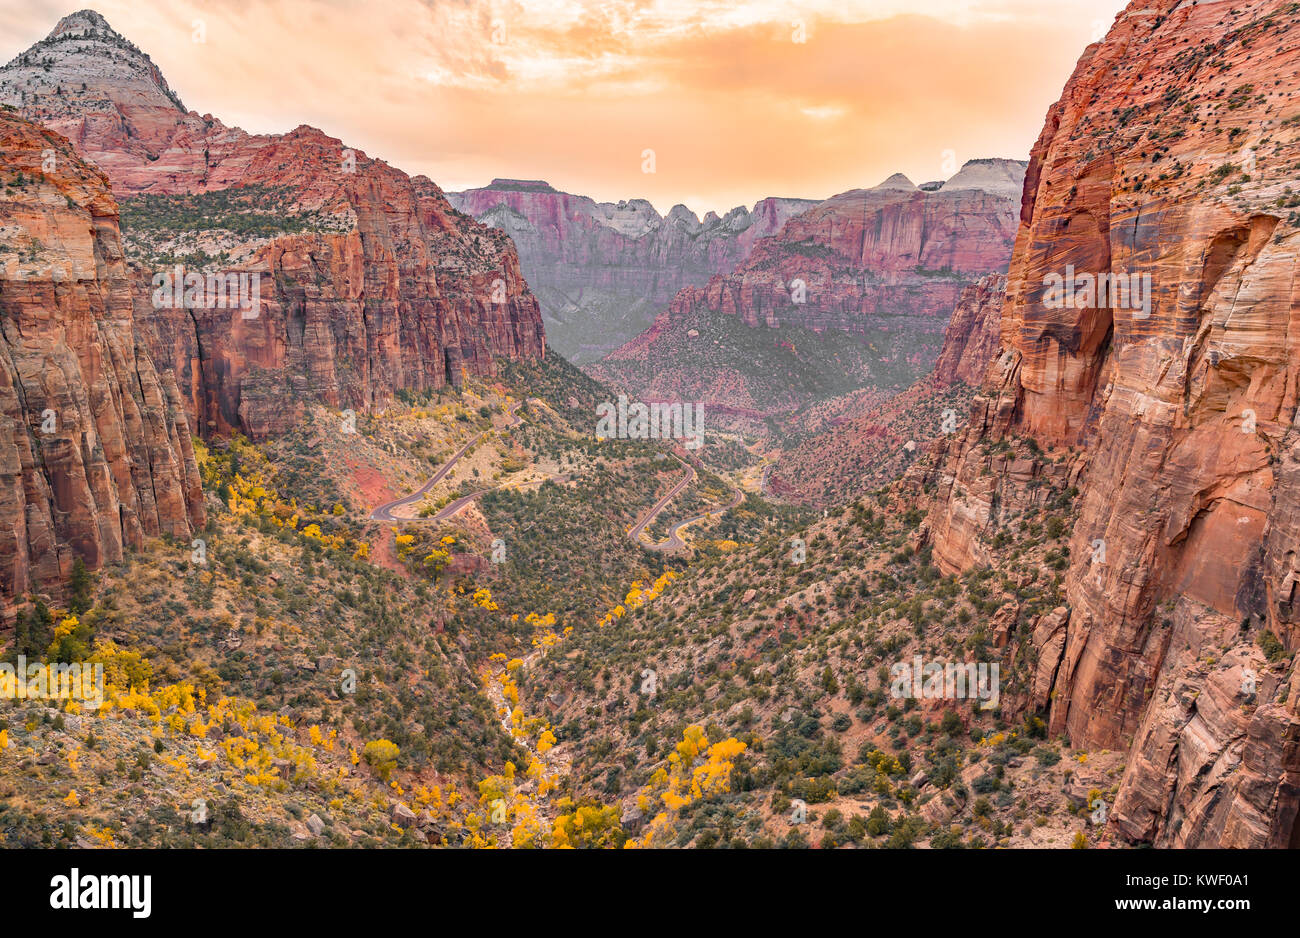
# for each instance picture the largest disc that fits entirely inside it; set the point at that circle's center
(891, 253)
(95, 449)
(369, 281)
(1172, 154)
(858, 291)
(602, 270)
(974, 332)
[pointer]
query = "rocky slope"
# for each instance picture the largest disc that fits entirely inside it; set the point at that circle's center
(602, 270)
(885, 266)
(369, 282)
(871, 441)
(95, 448)
(836, 449)
(1171, 153)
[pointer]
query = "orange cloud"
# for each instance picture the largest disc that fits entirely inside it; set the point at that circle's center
(733, 104)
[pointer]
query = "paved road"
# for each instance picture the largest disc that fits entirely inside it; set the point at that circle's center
(385, 512)
(675, 541)
(453, 508)
(634, 532)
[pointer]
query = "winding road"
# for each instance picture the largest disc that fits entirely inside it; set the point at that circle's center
(453, 508)
(635, 531)
(385, 512)
(675, 540)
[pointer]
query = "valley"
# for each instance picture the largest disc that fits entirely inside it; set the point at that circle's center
(937, 560)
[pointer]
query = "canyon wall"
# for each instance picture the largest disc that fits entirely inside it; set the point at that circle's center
(369, 282)
(602, 270)
(893, 253)
(974, 332)
(853, 293)
(95, 450)
(1171, 156)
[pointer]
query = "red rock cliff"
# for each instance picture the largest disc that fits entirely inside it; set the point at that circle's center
(95, 448)
(974, 332)
(370, 282)
(1173, 154)
(887, 265)
(893, 253)
(602, 270)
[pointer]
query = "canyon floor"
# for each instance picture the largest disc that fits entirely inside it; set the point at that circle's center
(314, 631)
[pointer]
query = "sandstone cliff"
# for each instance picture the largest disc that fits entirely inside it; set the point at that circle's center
(857, 291)
(602, 270)
(892, 253)
(1172, 154)
(369, 282)
(95, 449)
(974, 332)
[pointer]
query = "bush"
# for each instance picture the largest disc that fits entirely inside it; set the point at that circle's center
(878, 822)
(1268, 643)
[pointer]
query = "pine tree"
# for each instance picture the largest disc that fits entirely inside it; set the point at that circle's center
(79, 586)
(34, 631)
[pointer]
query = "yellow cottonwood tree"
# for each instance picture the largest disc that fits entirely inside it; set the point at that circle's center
(381, 755)
(588, 826)
(695, 771)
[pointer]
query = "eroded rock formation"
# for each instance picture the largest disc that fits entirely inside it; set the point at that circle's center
(892, 254)
(854, 292)
(369, 282)
(95, 449)
(974, 332)
(1171, 154)
(602, 270)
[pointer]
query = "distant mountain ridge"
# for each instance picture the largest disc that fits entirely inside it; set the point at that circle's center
(602, 270)
(885, 265)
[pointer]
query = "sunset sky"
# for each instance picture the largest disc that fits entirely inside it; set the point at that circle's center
(737, 100)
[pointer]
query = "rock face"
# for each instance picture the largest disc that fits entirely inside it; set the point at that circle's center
(864, 440)
(602, 270)
(893, 253)
(886, 266)
(95, 449)
(974, 332)
(367, 281)
(1171, 154)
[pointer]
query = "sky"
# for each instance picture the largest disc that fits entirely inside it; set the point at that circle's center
(708, 103)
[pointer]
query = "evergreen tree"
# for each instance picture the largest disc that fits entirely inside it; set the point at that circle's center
(79, 588)
(34, 631)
